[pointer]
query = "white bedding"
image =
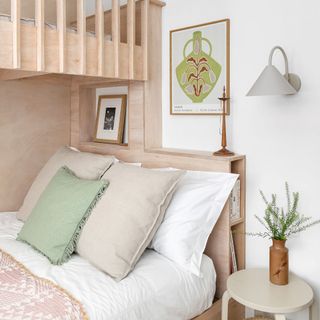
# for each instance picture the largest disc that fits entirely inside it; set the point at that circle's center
(31, 21)
(156, 289)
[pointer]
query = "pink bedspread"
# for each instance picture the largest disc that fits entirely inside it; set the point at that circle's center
(27, 297)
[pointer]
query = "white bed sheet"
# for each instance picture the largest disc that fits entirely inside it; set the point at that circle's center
(31, 21)
(156, 289)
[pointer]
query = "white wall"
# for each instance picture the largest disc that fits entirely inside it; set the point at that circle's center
(279, 135)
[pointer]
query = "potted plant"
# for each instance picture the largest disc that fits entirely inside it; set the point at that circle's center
(280, 225)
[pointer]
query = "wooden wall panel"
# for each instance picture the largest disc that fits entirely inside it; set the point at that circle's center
(153, 94)
(6, 44)
(34, 123)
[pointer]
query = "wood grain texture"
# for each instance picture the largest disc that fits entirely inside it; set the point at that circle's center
(115, 34)
(34, 122)
(152, 47)
(43, 49)
(8, 74)
(122, 16)
(131, 26)
(28, 10)
(16, 33)
(100, 36)
(75, 114)
(82, 33)
(218, 245)
(213, 313)
(62, 33)
(145, 36)
(40, 34)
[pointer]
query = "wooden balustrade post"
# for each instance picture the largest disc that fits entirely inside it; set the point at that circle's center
(100, 36)
(144, 31)
(62, 30)
(131, 29)
(82, 33)
(39, 15)
(16, 31)
(116, 35)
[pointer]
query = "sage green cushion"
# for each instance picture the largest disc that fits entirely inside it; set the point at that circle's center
(54, 226)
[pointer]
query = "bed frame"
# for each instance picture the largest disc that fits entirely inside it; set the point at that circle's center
(145, 146)
(48, 99)
(70, 103)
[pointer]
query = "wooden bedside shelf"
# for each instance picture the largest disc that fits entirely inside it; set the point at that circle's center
(236, 222)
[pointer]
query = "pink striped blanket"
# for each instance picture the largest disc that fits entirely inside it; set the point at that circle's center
(27, 297)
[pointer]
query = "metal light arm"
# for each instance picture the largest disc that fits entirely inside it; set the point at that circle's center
(286, 75)
(292, 78)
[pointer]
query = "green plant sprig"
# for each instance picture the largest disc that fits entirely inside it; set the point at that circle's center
(280, 225)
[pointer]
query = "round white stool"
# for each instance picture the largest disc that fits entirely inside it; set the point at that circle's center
(253, 289)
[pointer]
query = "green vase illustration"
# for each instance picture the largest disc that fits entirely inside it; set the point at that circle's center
(198, 73)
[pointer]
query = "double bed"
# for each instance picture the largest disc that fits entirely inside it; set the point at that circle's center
(156, 289)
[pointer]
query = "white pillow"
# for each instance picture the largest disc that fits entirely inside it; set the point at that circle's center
(193, 212)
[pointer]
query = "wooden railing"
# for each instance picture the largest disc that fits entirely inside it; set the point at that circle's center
(82, 59)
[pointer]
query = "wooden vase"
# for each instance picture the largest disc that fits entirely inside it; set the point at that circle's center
(279, 263)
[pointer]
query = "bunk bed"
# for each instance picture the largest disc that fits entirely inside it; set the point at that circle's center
(59, 64)
(111, 44)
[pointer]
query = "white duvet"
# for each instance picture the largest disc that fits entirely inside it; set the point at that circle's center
(156, 289)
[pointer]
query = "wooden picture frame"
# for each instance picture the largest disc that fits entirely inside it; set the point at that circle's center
(110, 119)
(196, 93)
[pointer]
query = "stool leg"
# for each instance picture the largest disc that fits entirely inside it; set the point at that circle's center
(225, 305)
(310, 312)
(280, 317)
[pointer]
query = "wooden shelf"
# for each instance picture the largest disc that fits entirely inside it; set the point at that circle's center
(236, 222)
(97, 147)
(194, 153)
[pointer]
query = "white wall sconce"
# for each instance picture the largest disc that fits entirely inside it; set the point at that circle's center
(272, 82)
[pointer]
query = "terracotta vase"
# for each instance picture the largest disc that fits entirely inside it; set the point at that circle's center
(279, 263)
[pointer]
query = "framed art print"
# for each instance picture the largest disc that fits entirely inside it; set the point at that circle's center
(111, 119)
(199, 68)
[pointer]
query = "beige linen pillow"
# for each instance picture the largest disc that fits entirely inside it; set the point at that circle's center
(125, 220)
(85, 165)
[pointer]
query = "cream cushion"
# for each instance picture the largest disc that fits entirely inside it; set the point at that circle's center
(85, 165)
(126, 218)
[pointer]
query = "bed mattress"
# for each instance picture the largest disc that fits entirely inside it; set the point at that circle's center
(6, 17)
(156, 289)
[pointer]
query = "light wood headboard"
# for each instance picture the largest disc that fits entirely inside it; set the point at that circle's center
(144, 137)
(34, 123)
(218, 245)
(144, 145)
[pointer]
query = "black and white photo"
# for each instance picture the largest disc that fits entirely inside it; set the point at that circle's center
(110, 121)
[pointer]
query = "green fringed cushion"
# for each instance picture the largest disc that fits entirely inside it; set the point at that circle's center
(54, 226)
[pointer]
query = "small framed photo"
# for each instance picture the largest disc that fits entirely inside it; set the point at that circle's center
(111, 119)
